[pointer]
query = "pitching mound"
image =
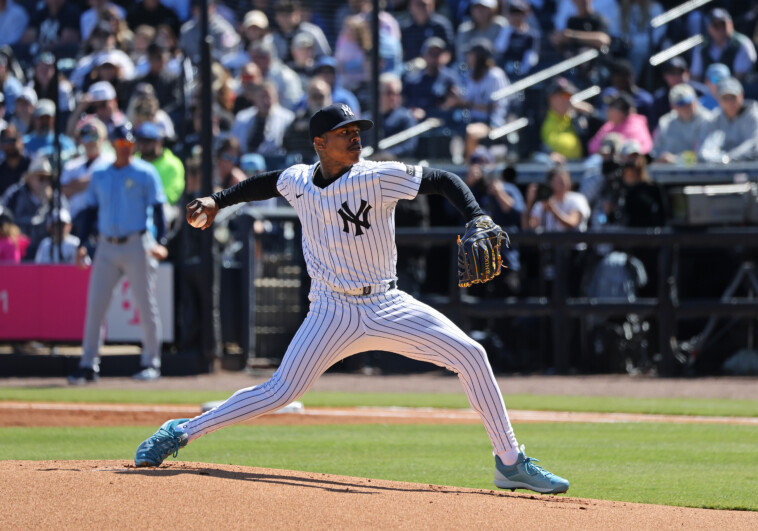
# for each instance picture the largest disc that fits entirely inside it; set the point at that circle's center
(110, 494)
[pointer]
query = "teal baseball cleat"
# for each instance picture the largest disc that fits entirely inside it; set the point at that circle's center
(164, 442)
(524, 474)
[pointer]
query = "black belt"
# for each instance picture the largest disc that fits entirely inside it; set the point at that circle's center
(118, 240)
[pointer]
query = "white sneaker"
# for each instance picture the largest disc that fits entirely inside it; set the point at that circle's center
(148, 374)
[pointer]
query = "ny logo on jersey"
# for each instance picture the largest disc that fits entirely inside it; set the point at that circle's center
(349, 217)
(347, 110)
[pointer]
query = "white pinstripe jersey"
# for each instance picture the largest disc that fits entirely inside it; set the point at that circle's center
(349, 226)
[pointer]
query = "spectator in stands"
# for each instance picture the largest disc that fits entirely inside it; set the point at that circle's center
(100, 52)
(600, 184)
(3, 123)
(10, 85)
(426, 90)
(41, 139)
(303, 56)
(225, 37)
(485, 23)
(675, 72)
(585, 29)
(29, 201)
(566, 126)
(58, 226)
(254, 28)
(732, 135)
(171, 170)
(565, 9)
(724, 45)
(352, 52)
(326, 69)
(287, 82)
(152, 13)
(99, 100)
(168, 87)
(517, 46)
(144, 107)
(643, 203)
(422, 24)
(15, 161)
(91, 16)
(261, 128)
(623, 119)
(563, 211)
(77, 172)
(13, 242)
(228, 163)
(395, 118)
(677, 135)
(21, 117)
(54, 23)
(289, 19)
(60, 91)
(13, 21)
(250, 75)
(297, 139)
(622, 80)
(641, 39)
(714, 74)
(108, 68)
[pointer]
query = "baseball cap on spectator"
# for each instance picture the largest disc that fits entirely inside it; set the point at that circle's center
(521, 6)
(325, 61)
(631, 147)
(109, 57)
(303, 40)
(730, 86)
(492, 4)
(45, 107)
(561, 84)
(155, 48)
(717, 72)
(28, 94)
(480, 45)
(481, 155)
(149, 131)
(678, 64)
(122, 132)
(62, 216)
(255, 18)
(333, 117)
(622, 67)
(681, 94)
(45, 58)
(433, 42)
(101, 91)
(620, 100)
(40, 165)
(611, 144)
(252, 163)
(719, 14)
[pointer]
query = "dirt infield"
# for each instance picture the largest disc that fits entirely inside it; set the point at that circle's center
(114, 494)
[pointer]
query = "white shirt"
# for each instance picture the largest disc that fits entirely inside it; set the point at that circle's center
(349, 226)
(77, 168)
(572, 201)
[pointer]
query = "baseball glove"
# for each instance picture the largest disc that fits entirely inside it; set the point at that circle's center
(479, 257)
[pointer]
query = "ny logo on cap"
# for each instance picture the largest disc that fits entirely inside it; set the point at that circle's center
(347, 110)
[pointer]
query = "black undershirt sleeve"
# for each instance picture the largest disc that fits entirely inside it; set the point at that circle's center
(256, 188)
(89, 218)
(453, 188)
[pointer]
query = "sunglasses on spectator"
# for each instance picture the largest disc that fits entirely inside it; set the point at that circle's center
(122, 143)
(9, 140)
(100, 104)
(89, 136)
(228, 157)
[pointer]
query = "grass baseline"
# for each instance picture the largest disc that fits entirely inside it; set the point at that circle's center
(635, 462)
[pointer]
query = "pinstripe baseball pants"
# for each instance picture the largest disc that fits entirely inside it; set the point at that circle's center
(338, 326)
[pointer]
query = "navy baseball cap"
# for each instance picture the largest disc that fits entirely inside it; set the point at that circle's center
(333, 117)
(122, 132)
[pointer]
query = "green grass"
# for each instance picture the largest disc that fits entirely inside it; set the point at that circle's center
(690, 465)
(663, 406)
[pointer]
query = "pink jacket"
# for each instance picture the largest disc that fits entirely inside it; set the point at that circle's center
(633, 128)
